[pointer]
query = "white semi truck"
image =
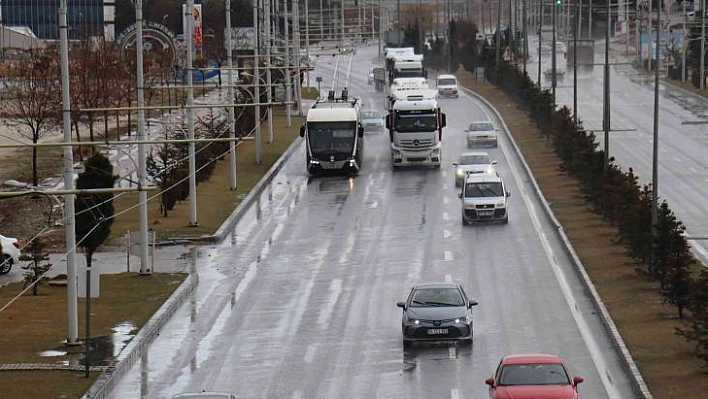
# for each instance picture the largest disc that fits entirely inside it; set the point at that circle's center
(415, 124)
(334, 135)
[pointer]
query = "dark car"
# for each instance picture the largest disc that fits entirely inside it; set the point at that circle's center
(437, 312)
(532, 376)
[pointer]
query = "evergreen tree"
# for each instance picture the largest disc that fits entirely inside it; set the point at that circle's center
(94, 212)
(697, 331)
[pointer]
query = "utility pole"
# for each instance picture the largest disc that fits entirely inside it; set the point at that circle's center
(307, 42)
(540, 28)
(606, 89)
(703, 45)
(498, 35)
(575, 66)
(554, 79)
(230, 96)
(298, 58)
(257, 83)
(655, 146)
(72, 338)
(648, 35)
(525, 42)
(142, 161)
(288, 78)
(269, 79)
(685, 44)
(189, 37)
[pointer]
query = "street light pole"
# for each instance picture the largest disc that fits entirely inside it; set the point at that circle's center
(257, 85)
(269, 79)
(189, 37)
(498, 35)
(655, 155)
(606, 90)
(575, 66)
(230, 96)
(703, 45)
(554, 80)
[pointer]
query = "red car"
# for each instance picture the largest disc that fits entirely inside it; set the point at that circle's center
(533, 376)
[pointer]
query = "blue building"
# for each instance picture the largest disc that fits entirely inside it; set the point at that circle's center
(85, 17)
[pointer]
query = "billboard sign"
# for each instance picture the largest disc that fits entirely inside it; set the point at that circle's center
(242, 38)
(196, 16)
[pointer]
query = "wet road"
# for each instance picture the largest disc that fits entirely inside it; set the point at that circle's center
(683, 166)
(300, 300)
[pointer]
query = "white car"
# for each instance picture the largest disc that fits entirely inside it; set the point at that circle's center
(472, 162)
(484, 198)
(10, 253)
(372, 119)
(481, 133)
(204, 395)
(447, 86)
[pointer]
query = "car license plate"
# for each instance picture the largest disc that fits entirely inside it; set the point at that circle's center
(485, 213)
(437, 331)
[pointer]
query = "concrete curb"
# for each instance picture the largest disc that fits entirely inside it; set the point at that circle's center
(256, 191)
(140, 343)
(629, 365)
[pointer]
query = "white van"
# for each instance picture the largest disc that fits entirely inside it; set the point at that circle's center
(447, 86)
(484, 198)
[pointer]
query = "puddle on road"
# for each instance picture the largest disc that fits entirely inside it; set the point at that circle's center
(102, 350)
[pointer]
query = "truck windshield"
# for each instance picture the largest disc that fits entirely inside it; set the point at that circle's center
(416, 121)
(491, 189)
(331, 137)
(407, 73)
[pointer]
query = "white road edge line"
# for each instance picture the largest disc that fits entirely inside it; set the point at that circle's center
(593, 347)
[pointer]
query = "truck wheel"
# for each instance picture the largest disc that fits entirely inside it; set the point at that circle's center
(5, 264)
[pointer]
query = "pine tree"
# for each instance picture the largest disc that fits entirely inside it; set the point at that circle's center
(697, 331)
(94, 212)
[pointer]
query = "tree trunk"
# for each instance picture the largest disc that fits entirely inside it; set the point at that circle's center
(89, 256)
(35, 178)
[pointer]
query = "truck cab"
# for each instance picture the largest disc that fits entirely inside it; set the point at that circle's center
(415, 126)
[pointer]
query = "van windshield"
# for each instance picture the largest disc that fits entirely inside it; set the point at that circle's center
(490, 189)
(447, 82)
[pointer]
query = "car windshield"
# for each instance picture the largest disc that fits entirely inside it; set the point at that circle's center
(533, 374)
(481, 126)
(370, 114)
(490, 189)
(473, 159)
(436, 297)
(446, 82)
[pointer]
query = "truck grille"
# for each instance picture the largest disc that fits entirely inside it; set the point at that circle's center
(417, 144)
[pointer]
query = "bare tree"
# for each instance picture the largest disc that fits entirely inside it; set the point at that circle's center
(35, 99)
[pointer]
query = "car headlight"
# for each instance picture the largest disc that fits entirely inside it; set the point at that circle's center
(463, 320)
(412, 320)
(460, 172)
(500, 204)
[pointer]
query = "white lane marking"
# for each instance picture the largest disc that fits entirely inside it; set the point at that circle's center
(452, 352)
(448, 256)
(297, 395)
(590, 342)
(335, 289)
(693, 170)
(677, 159)
(446, 200)
(448, 278)
(447, 233)
(310, 353)
(454, 393)
(446, 216)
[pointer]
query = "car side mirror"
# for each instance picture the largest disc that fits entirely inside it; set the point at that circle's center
(497, 130)
(473, 303)
(401, 305)
(443, 121)
(388, 121)
(577, 380)
(454, 164)
(494, 162)
(508, 194)
(459, 195)
(302, 130)
(360, 131)
(490, 382)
